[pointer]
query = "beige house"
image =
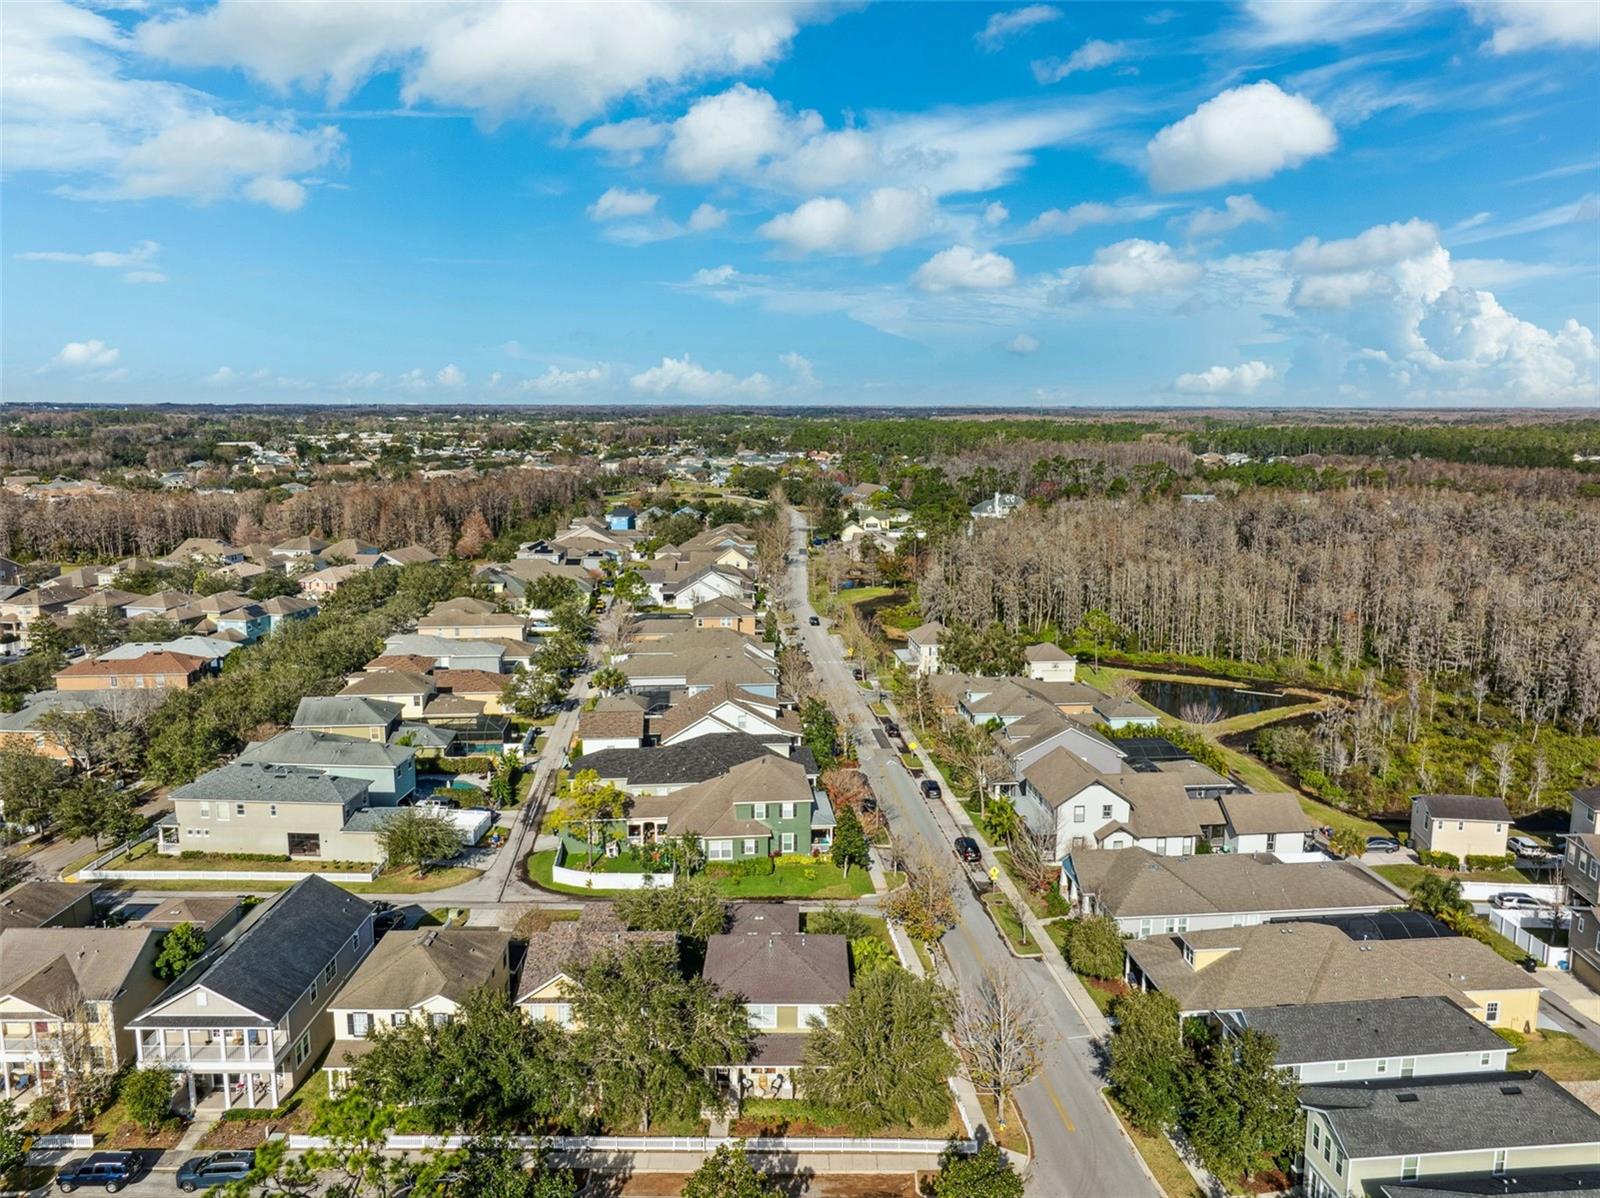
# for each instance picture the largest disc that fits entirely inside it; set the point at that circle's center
(1230, 969)
(355, 716)
(471, 620)
(250, 807)
(921, 654)
(66, 995)
(409, 691)
(247, 1023)
(1465, 825)
(1050, 663)
(152, 671)
(422, 975)
(1468, 1134)
(544, 989)
(726, 613)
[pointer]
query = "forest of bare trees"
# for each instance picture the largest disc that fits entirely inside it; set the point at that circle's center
(428, 512)
(1434, 582)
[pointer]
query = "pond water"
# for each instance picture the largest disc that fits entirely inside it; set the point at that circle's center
(1206, 703)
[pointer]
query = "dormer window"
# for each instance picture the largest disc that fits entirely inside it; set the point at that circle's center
(1188, 954)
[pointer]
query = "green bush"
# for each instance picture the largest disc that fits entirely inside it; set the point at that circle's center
(1439, 860)
(750, 867)
(463, 765)
(195, 854)
(1514, 1038)
(1093, 947)
(1491, 861)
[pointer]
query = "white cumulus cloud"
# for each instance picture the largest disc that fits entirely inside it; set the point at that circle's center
(1377, 246)
(1022, 345)
(880, 221)
(555, 381)
(1226, 380)
(620, 203)
(1003, 26)
(804, 374)
(713, 276)
(1245, 133)
(707, 217)
(1138, 267)
(962, 267)
(1235, 212)
(86, 355)
(450, 376)
(1065, 221)
(683, 376)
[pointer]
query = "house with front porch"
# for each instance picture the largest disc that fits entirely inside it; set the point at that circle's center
(663, 771)
(788, 981)
(1448, 1131)
(66, 995)
(421, 976)
(245, 1025)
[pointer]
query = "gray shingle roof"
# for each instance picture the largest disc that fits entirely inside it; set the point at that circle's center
(408, 968)
(779, 967)
(1418, 1115)
(698, 760)
(1569, 1182)
(299, 746)
(35, 904)
(1466, 807)
(345, 711)
(267, 966)
(261, 782)
(1359, 1031)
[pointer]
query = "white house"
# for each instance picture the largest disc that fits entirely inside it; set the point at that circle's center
(921, 654)
(1050, 663)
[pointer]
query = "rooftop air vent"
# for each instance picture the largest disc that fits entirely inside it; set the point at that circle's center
(1509, 1090)
(1406, 1097)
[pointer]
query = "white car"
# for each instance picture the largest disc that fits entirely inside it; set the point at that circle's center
(1515, 900)
(1526, 846)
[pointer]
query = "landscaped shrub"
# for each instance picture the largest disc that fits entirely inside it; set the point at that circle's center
(463, 765)
(749, 867)
(1439, 860)
(193, 854)
(1494, 861)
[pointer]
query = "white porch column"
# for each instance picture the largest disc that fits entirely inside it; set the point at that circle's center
(227, 1090)
(273, 1083)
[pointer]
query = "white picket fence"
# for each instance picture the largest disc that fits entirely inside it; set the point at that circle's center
(59, 1143)
(701, 1145)
(95, 871)
(585, 880)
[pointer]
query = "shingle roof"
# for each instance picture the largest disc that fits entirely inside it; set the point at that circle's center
(1475, 807)
(1254, 814)
(1046, 652)
(299, 746)
(1358, 1031)
(407, 968)
(1419, 1115)
(56, 968)
(34, 904)
(1559, 1182)
(344, 711)
(271, 961)
(149, 663)
(389, 682)
(262, 782)
(698, 760)
(568, 944)
(619, 722)
(1134, 882)
(707, 808)
(695, 708)
(1309, 962)
(779, 967)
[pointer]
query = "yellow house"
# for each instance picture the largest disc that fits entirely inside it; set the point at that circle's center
(1464, 825)
(545, 989)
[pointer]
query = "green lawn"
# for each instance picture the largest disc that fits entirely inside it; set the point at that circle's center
(540, 866)
(820, 879)
(857, 595)
(1564, 1057)
(145, 857)
(1005, 918)
(1321, 812)
(796, 1117)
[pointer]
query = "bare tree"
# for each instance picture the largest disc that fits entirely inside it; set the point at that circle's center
(1474, 774)
(795, 675)
(1502, 754)
(926, 905)
(996, 1035)
(1538, 775)
(1201, 711)
(1033, 856)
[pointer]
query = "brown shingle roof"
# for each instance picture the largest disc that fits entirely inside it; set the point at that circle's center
(407, 968)
(149, 663)
(779, 967)
(569, 944)
(1254, 814)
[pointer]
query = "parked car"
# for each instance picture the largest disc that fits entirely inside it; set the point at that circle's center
(868, 804)
(218, 1169)
(1527, 846)
(1382, 844)
(814, 622)
(1515, 900)
(388, 921)
(931, 789)
(891, 728)
(108, 1170)
(967, 849)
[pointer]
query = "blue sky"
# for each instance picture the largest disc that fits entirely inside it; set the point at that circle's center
(1332, 203)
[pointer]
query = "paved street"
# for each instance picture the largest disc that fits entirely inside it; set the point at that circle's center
(1079, 1149)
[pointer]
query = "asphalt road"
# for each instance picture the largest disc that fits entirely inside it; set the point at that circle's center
(1078, 1148)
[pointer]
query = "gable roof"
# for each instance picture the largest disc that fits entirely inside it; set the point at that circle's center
(707, 808)
(697, 707)
(263, 782)
(159, 662)
(1357, 1031)
(325, 750)
(345, 711)
(34, 904)
(389, 682)
(1465, 807)
(779, 967)
(1255, 814)
(1414, 1116)
(1133, 882)
(269, 962)
(698, 760)
(408, 968)
(568, 944)
(56, 968)
(1046, 651)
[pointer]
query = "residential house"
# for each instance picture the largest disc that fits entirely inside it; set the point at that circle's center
(1462, 825)
(389, 771)
(450, 653)
(160, 670)
(246, 807)
(1127, 712)
(1264, 823)
(1150, 895)
(322, 583)
(482, 687)
(615, 722)
(621, 518)
(230, 613)
(66, 995)
(921, 654)
(686, 586)
(553, 957)
(1581, 871)
(205, 550)
(1585, 810)
(728, 708)
(662, 771)
(350, 549)
(111, 602)
(1269, 964)
(467, 619)
(1050, 663)
(46, 904)
(405, 689)
(157, 604)
(408, 555)
(694, 660)
(997, 507)
(1426, 1036)
(281, 609)
(352, 716)
(21, 611)
(299, 548)
(213, 916)
(788, 980)
(25, 728)
(246, 1023)
(212, 649)
(727, 613)
(1361, 1134)
(418, 976)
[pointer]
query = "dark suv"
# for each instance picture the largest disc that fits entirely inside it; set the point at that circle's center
(111, 1170)
(218, 1169)
(930, 789)
(967, 849)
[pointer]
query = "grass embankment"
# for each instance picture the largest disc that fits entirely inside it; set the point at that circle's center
(1160, 1157)
(1014, 1136)
(1005, 918)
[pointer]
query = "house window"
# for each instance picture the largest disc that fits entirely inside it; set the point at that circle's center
(1408, 1066)
(788, 811)
(1077, 815)
(788, 842)
(1272, 842)
(313, 989)
(749, 847)
(1316, 1136)
(1491, 1012)
(327, 974)
(1408, 1168)
(440, 1018)
(359, 1024)
(205, 810)
(1340, 1067)
(238, 809)
(400, 1019)
(272, 810)
(763, 1015)
(1499, 1161)
(355, 941)
(1144, 928)
(1105, 811)
(302, 1049)
(1483, 1060)
(1383, 1065)
(305, 844)
(719, 850)
(758, 811)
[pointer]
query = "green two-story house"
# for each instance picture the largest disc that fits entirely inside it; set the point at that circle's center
(758, 808)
